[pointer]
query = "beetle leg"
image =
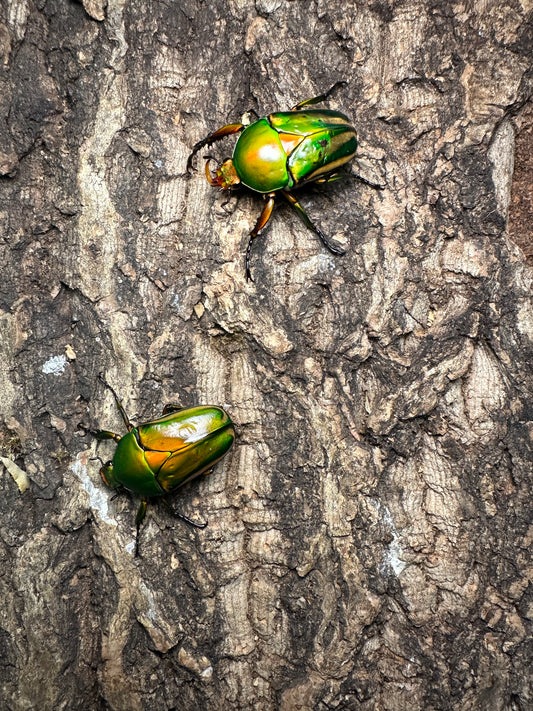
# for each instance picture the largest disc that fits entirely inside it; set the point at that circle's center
(228, 130)
(299, 209)
(176, 514)
(123, 414)
(337, 176)
(105, 434)
(172, 407)
(378, 186)
(259, 225)
(231, 192)
(119, 405)
(141, 513)
(254, 112)
(318, 99)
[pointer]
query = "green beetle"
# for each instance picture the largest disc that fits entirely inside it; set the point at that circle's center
(282, 151)
(155, 458)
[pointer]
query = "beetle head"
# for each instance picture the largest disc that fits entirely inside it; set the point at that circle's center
(108, 476)
(225, 176)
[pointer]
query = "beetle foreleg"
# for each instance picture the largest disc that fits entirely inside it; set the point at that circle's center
(216, 136)
(231, 193)
(259, 225)
(318, 99)
(299, 209)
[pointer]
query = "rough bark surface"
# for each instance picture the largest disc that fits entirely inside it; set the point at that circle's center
(369, 535)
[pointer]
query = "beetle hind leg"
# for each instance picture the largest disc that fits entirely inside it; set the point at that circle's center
(139, 518)
(259, 225)
(172, 407)
(377, 186)
(339, 176)
(305, 217)
(318, 99)
(181, 516)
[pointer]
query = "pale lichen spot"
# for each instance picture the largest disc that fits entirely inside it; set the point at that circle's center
(55, 365)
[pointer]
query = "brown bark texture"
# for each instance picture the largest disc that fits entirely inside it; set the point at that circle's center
(369, 534)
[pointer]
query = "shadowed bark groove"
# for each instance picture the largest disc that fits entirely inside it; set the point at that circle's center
(369, 535)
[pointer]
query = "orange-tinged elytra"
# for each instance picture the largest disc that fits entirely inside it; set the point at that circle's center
(174, 446)
(157, 457)
(290, 141)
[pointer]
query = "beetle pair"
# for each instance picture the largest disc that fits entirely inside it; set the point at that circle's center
(282, 151)
(276, 153)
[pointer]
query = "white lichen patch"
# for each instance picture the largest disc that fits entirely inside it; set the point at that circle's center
(55, 365)
(392, 559)
(98, 497)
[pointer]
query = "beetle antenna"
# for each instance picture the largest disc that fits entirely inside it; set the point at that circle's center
(254, 112)
(97, 458)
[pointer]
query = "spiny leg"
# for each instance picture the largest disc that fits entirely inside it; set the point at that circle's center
(378, 186)
(318, 99)
(119, 405)
(99, 434)
(260, 224)
(299, 209)
(228, 130)
(176, 514)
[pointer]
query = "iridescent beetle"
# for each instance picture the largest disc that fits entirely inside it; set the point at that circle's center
(282, 151)
(156, 458)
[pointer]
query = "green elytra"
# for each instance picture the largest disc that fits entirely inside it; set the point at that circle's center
(157, 457)
(288, 149)
(282, 151)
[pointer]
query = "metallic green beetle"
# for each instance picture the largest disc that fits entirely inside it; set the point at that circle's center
(283, 151)
(155, 458)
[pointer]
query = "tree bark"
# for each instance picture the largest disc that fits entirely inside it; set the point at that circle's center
(368, 539)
